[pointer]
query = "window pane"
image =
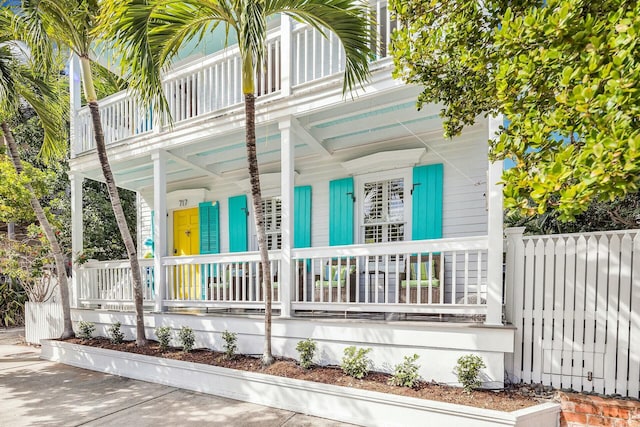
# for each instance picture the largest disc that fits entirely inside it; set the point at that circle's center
(383, 211)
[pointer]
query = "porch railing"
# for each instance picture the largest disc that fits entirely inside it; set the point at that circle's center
(109, 282)
(214, 82)
(222, 280)
(429, 276)
(443, 276)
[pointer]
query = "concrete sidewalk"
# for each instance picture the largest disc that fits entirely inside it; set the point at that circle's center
(39, 392)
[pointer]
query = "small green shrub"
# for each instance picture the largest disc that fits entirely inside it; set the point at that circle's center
(86, 329)
(406, 373)
(187, 338)
(307, 349)
(355, 362)
(468, 371)
(230, 344)
(115, 334)
(164, 337)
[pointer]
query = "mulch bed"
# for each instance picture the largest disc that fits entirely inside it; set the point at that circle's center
(503, 400)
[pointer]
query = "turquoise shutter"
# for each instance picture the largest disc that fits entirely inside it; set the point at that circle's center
(302, 217)
(427, 202)
(341, 199)
(209, 214)
(238, 235)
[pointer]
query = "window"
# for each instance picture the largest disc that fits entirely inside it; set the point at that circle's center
(272, 209)
(382, 213)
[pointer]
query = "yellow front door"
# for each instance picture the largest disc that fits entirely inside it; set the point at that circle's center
(186, 241)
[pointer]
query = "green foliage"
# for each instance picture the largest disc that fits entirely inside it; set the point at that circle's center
(600, 216)
(164, 337)
(468, 371)
(187, 338)
(564, 72)
(86, 329)
(12, 299)
(230, 344)
(307, 349)
(355, 362)
(14, 196)
(102, 237)
(29, 261)
(406, 373)
(115, 334)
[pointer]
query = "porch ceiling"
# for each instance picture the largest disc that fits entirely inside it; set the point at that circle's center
(344, 131)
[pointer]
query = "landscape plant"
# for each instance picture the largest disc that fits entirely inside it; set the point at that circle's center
(26, 262)
(468, 371)
(230, 344)
(306, 349)
(115, 334)
(12, 299)
(187, 338)
(164, 336)
(86, 330)
(406, 373)
(355, 362)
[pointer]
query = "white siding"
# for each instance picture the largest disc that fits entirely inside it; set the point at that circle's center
(464, 207)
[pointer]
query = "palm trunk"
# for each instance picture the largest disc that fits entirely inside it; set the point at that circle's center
(61, 271)
(256, 198)
(116, 204)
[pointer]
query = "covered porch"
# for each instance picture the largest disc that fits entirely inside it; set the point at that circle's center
(368, 208)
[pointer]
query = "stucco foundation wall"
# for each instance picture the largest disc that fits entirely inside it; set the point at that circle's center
(438, 345)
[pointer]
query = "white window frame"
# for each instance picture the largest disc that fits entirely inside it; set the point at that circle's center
(361, 180)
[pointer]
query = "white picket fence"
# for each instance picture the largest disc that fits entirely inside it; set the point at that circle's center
(575, 301)
(43, 320)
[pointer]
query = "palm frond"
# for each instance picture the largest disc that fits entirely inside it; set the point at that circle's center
(350, 20)
(44, 93)
(149, 34)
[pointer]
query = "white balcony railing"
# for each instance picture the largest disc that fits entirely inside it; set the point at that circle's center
(429, 276)
(214, 83)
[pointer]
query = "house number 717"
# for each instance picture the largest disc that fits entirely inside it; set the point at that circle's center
(183, 202)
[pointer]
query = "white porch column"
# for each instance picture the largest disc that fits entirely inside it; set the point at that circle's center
(495, 233)
(285, 55)
(160, 230)
(76, 235)
(286, 277)
(74, 104)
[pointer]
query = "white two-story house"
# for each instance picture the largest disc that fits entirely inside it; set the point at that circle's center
(381, 232)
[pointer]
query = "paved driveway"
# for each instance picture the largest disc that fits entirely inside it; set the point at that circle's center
(35, 392)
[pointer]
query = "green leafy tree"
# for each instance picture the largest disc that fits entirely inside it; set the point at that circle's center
(23, 81)
(564, 72)
(149, 34)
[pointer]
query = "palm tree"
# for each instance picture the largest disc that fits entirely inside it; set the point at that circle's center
(149, 34)
(20, 83)
(70, 23)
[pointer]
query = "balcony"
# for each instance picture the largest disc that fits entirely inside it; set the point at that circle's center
(296, 55)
